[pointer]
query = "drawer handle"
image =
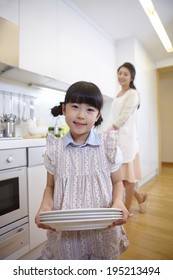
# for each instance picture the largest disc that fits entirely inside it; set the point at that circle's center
(10, 159)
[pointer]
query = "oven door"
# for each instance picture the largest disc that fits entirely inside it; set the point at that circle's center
(13, 195)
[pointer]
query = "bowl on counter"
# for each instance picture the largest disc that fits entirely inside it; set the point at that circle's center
(37, 131)
(41, 122)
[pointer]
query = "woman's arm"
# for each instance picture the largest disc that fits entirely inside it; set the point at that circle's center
(47, 201)
(128, 108)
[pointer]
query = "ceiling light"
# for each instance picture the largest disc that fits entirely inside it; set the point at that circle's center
(157, 24)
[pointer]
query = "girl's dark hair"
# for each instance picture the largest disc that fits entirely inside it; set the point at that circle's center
(132, 71)
(82, 92)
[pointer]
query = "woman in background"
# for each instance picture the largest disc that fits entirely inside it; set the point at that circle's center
(124, 113)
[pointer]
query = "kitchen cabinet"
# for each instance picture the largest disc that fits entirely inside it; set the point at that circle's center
(99, 59)
(84, 53)
(38, 37)
(37, 176)
(70, 52)
(10, 10)
(9, 34)
(58, 41)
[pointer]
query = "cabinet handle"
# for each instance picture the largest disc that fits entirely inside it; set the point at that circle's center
(10, 159)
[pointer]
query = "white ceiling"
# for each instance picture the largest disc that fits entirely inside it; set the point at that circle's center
(121, 19)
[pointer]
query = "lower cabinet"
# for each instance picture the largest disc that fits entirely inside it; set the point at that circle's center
(37, 176)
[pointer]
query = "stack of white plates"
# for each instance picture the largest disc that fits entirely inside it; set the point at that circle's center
(80, 219)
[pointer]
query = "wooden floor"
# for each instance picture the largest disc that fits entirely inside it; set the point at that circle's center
(151, 234)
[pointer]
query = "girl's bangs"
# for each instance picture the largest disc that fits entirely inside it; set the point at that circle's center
(85, 97)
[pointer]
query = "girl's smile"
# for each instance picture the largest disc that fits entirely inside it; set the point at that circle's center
(79, 124)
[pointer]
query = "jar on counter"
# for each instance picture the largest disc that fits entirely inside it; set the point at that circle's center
(9, 130)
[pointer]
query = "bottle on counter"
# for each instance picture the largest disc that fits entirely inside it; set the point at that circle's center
(58, 131)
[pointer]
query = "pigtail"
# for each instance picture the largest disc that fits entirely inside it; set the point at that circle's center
(57, 110)
(99, 121)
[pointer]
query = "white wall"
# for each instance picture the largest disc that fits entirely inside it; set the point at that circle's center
(164, 63)
(148, 114)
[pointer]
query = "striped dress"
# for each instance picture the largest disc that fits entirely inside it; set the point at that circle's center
(82, 180)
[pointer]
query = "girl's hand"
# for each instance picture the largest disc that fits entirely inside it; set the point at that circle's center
(126, 214)
(39, 224)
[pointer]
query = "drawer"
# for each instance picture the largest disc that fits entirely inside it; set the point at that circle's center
(12, 158)
(36, 155)
(13, 241)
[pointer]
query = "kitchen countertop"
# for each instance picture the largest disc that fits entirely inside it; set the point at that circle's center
(15, 143)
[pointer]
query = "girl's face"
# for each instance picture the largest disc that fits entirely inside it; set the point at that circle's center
(124, 77)
(80, 118)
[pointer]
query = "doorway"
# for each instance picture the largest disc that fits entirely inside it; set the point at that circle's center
(165, 114)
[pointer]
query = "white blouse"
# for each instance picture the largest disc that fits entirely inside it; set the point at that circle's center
(124, 115)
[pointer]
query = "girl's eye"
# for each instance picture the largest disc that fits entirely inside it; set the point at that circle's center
(90, 109)
(75, 106)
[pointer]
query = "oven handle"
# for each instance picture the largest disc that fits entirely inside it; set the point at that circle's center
(10, 170)
(12, 173)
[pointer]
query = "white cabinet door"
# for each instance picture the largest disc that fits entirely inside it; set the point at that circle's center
(99, 59)
(37, 176)
(83, 52)
(10, 11)
(38, 37)
(70, 38)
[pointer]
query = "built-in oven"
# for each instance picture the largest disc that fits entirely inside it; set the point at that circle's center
(14, 233)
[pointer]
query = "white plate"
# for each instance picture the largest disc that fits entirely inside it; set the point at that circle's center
(81, 215)
(75, 218)
(80, 224)
(87, 210)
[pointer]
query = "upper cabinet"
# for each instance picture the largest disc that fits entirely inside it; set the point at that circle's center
(70, 44)
(9, 34)
(9, 10)
(84, 53)
(38, 37)
(57, 40)
(99, 59)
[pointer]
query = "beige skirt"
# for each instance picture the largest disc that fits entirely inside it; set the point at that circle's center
(131, 171)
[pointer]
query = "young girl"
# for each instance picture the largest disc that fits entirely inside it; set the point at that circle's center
(83, 173)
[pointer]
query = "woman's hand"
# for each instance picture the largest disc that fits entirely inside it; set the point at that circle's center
(109, 129)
